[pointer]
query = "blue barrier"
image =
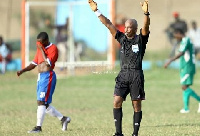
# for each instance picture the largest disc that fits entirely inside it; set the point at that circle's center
(13, 65)
(146, 65)
(174, 64)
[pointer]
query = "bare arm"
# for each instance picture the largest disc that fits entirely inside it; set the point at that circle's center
(173, 59)
(103, 19)
(145, 8)
(28, 68)
(108, 24)
(43, 55)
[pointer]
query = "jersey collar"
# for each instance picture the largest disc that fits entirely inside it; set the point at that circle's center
(48, 46)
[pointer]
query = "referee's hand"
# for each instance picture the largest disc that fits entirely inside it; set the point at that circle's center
(145, 6)
(93, 5)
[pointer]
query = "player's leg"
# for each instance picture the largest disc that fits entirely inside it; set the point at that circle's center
(42, 82)
(48, 99)
(189, 82)
(186, 96)
(185, 91)
(120, 93)
(194, 95)
(41, 106)
(40, 117)
(55, 113)
(186, 81)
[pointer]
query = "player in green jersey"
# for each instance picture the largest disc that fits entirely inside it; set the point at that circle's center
(187, 68)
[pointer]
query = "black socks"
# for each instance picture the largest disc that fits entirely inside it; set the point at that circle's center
(117, 113)
(137, 117)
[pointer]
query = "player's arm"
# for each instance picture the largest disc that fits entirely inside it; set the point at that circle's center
(103, 19)
(40, 47)
(183, 47)
(145, 8)
(173, 59)
(28, 68)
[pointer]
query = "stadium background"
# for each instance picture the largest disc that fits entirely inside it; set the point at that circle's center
(161, 16)
(88, 99)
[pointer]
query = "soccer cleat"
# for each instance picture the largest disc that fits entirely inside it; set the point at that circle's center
(36, 129)
(118, 134)
(184, 111)
(65, 121)
(134, 135)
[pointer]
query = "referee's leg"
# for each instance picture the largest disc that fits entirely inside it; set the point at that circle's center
(117, 113)
(137, 116)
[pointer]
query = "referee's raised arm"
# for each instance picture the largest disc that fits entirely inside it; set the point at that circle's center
(145, 8)
(103, 19)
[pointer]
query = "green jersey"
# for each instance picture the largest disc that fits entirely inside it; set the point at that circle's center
(187, 61)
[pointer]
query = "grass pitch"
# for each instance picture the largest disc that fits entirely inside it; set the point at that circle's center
(88, 101)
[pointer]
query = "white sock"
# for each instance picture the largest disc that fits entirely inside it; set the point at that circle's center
(40, 114)
(53, 112)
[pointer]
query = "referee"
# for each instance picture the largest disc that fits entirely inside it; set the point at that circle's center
(130, 78)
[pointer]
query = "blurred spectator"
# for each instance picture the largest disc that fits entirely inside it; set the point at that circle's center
(61, 38)
(194, 34)
(78, 51)
(5, 55)
(120, 25)
(177, 24)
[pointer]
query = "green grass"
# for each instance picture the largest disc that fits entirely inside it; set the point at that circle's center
(88, 101)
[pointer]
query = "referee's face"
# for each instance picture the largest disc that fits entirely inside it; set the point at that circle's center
(130, 29)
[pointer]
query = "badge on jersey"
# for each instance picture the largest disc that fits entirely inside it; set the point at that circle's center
(135, 48)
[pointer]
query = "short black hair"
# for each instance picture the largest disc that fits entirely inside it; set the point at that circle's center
(179, 31)
(43, 36)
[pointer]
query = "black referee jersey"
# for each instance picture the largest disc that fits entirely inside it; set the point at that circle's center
(131, 50)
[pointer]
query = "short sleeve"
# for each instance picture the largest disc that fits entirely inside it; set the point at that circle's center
(35, 60)
(184, 45)
(119, 36)
(52, 56)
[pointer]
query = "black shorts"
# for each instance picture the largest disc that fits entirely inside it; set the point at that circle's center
(130, 81)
